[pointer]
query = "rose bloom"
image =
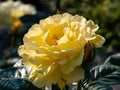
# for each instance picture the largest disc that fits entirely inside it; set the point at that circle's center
(17, 8)
(55, 49)
(5, 20)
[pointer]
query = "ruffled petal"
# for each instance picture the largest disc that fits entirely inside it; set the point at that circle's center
(71, 64)
(92, 26)
(30, 57)
(76, 75)
(40, 79)
(98, 41)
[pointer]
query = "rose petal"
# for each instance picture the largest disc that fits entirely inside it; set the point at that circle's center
(47, 79)
(75, 75)
(98, 41)
(30, 57)
(71, 64)
(92, 26)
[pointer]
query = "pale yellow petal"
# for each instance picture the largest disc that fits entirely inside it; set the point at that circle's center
(71, 64)
(98, 41)
(30, 57)
(57, 55)
(80, 19)
(33, 38)
(92, 26)
(72, 45)
(46, 79)
(76, 75)
(65, 18)
(35, 30)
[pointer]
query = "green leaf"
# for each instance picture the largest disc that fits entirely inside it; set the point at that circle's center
(15, 78)
(33, 18)
(99, 86)
(107, 74)
(113, 60)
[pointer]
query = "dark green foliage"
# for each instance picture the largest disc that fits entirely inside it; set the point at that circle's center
(106, 74)
(113, 59)
(99, 86)
(15, 78)
(33, 18)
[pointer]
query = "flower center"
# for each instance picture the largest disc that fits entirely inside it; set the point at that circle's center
(55, 32)
(53, 40)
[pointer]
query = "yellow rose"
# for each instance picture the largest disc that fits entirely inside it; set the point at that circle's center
(5, 20)
(17, 8)
(55, 49)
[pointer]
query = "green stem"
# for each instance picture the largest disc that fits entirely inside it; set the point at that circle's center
(66, 87)
(57, 6)
(79, 85)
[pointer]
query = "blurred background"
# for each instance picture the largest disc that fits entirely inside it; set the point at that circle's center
(105, 13)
